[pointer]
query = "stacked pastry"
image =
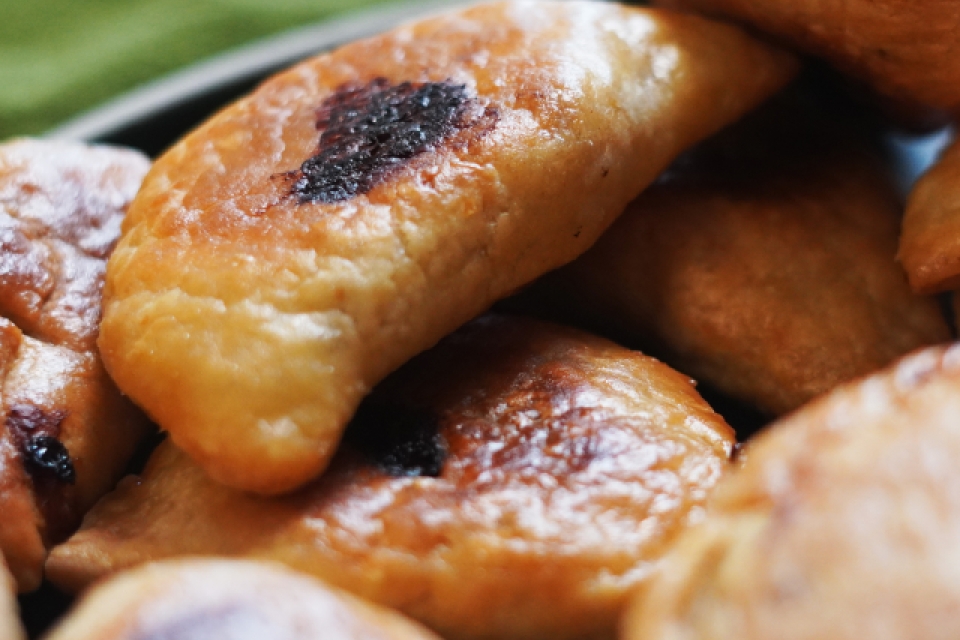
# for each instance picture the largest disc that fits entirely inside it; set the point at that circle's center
(518, 480)
(270, 275)
(841, 524)
(762, 263)
(66, 433)
(298, 300)
(905, 52)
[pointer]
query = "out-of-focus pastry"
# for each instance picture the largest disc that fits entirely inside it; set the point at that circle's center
(930, 242)
(227, 600)
(842, 524)
(517, 481)
(762, 263)
(65, 431)
(312, 237)
(10, 628)
(907, 50)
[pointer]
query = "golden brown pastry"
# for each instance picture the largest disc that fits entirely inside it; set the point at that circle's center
(930, 242)
(267, 280)
(10, 628)
(842, 524)
(762, 263)
(227, 600)
(517, 481)
(65, 431)
(907, 50)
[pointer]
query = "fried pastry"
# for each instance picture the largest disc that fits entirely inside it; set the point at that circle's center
(65, 431)
(266, 281)
(227, 600)
(930, 242)
(842, 524)
(10, 628)
(517, 481)
(907, 50)
(762, 263)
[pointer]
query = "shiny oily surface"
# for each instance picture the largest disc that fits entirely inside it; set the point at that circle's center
(226, 600)
(761, 263)
(250, 324)
(569, 465)
(906, 50)
(930, 243)
(10, 628)
(65, 431)
(841, 525)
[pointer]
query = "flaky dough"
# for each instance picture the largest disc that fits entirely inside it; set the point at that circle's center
(256, 297)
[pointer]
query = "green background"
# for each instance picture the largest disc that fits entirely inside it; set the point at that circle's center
(61, 57)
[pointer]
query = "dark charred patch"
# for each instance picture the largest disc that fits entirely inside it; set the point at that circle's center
(370, 131)
(36, 431)
(400, 440)
(48, 455)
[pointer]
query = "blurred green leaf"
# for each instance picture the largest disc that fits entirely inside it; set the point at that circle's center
(61, 57)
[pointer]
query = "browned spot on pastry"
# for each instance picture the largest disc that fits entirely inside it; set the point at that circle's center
(369, 131)
(27, 419)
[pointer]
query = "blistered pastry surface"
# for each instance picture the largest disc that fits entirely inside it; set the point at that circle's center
(567, 466)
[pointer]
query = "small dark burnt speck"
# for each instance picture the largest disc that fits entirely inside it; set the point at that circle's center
(400, 440)
(370, 131)
(36, 431)
(48, 455)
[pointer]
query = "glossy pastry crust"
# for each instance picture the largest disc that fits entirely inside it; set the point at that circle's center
(258, 294)
(517, 481)
(65, 431)
(841, 525)
(907, 50)
(930, 242)
(762, 263)
(227, 600)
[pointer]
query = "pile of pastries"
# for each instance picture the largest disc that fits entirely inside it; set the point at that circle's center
(424, 324)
